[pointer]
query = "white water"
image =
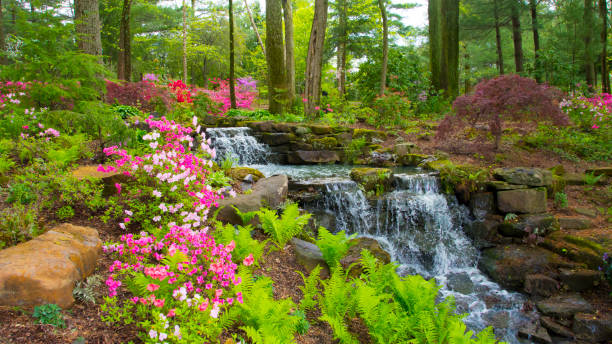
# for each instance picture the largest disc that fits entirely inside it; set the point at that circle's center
(238, 143)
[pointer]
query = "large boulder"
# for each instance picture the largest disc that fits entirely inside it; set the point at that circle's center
(593, 327)
(529, 223)
(484, 232)
(372, 179)
(509, 265)
(524, 176)
(308, 254)
(580, 279)
(277, 139)
(313, 157)
(46, 268)
(522, 201)
(239, 173)
(585, 246)
(269, 192)
(564, 306)
(539, 285)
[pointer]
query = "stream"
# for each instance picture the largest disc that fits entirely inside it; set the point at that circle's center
(420, 227)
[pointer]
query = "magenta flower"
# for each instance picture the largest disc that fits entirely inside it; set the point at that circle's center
(118, 187)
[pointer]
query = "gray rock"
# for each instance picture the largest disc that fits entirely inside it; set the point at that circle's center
(498, 185)
(481, 204)
(593, 327)
(460, 282)
(580, 279)
(524, 176)
(564, 306)
(269, 192)
(528, 201)
(308, 254)
(556, 328)
(402, 149)
(248, 178)
(571, 222)
(544, 223)
(313, 157)
(534, 332)
(586, 212)
(499, 320)
(540, 285)
(483, 233)
(301, 131)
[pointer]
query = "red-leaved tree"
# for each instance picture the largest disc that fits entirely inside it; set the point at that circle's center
(504, 98)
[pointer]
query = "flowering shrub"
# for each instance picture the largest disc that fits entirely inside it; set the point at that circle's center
(246, 90)
(181, 91)
(589, 113)
(144, 95)
(179, 278)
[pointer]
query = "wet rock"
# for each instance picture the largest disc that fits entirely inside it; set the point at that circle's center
(509, 265)
(593, 327)
(378, 158)
(481, 204)
(564, 305)
(541, 285)
(525, 224)
(572, 222)
(46, 268)
(324, 219)
(269, 192)
(498, 185)
(555, 328)
(354, 254)
(313, 157)
(535, 333)
(499, 320)
(372, 178)
(460, 282)
(108, 179)
(522, 201)
(308, 254)
(277, 139)
(579, 279)
(241, 173)
(484, 233)
(524, 176)
(584, 247)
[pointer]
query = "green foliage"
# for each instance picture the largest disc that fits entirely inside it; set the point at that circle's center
(6, 163)
(333, 247)
(126, 111)
(284, 228)
(18, 224)
(64, 213)
(571, 143)
(245, 244)
(591, 179)
(561, 200)
(84, 291)
(355, 148)
(246, 217)
(21, 193)
(227, 163)
(203, 104)
(303, 325)
(310, 289)
(264, 115)
(50, 314)
(391, 110)
(218, 179)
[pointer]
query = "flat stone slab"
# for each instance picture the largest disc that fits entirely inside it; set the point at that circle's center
(46, 268)
(313, 157)
(572, 222)
(564, 306)
(525, 201)
(524, 176)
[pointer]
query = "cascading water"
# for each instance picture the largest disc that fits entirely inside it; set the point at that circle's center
(422, 230)
(238, 143)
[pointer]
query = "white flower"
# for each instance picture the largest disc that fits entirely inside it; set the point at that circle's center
(153, 334)
(177, 331)
(162, 336)
(129, 213)
(157, 194)
(214, 312)
(156, 218)
(194, 120)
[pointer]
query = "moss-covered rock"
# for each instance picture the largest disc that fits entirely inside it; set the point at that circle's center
(321, 129)
(372, 179)
(302, 130)
(352, 260)
(277, 139)
(239, 173)
(412, 159)
(369, 134)
(344, 139)
(324, 143)
(581, 246)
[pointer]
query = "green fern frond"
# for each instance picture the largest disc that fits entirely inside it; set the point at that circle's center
(310, 288)
(333, 247)
(245, 217)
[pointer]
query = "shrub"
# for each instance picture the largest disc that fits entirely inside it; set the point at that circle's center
(144, 95)
(507, 97)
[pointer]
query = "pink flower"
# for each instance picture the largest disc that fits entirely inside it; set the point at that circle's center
(304, 100)
(317, 108)
(152, 287)
(248, 260)
(159, 303)
(126, 220)
(171, 313)
(595, 126)
(118, 186)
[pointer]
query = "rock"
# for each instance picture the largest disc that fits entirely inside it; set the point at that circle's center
(344, 139)
(324, 143)
(586, 212)
(412, 159)
(320, 129)
(108, 179)
(301, 131)
(522, 201)
(524, 176)
(509, 265)
(261, 127)
(301, 146)
(354, 254)
(369, 134)
(497, 185)
(564, 306)
(269, 192)
(606, 171)
(572, 222)
(372, 178)
(46, 268)
(574, 178)
(283, 127)
(497, 319)
(593, 327)
(481, 204)
(580, 279)
(308, 254)
(525, 224)
(460, 282)
(584, 247)
(540, 285)
(277, 139)
(556, 328)
(379, 158)
(240, 173)
(405, 148)
(534, 332)
(483, 232)
(313, 157)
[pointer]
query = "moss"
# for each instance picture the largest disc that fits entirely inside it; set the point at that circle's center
(412, 159)
(301, 131)
(584, 243)
(238, 173)
(325, 143)
(369, 134)
(372, 179)
(320, 129)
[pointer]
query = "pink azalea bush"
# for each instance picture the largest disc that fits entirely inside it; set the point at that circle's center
(589, 113)
(246, 91)
(176, 276)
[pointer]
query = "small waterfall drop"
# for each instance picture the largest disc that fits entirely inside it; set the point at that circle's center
(239, 144)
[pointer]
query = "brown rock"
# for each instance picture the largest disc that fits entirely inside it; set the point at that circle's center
(313, 157)
(556, 328)
(580, 279)
(522, 201)
(535, 333)
(46, 268)
(564, 306)
(540, 285)
(572, 222)
(593, 327)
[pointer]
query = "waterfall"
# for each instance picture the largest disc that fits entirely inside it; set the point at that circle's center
(238, 143)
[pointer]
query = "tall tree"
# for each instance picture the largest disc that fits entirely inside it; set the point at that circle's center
(342, 47)
(124, 61)
(277, 83)
(605, 71)
(289, 50)
(517, 35)
(87, 26)
(589, 63)
(533, 6)
(185, 43)
(498, 43)
(314, 59)
(385, 48)
(254, 26)
(444, 45)
(435, 49)
(2, 37)
(232, 83)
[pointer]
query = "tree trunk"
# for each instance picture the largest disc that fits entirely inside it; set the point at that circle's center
(605, 71)
(185, 43)
(517, 36)
(500, 54)
(385, 48)
(341, 58)
(2, 37)
(232, 83)
(433, 11)
(466, 68)
(536, 39)
(589, 64)
(289, 50)
(277, 92)
(124, 62)
(450, 47)
(314, 59)
(246, 5)
(87, 26)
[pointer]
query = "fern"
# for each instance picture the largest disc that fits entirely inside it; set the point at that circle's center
(245, 244)
(246, 217)
(310, 288)
(84, 291)
(333, 247)
(283, 229)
